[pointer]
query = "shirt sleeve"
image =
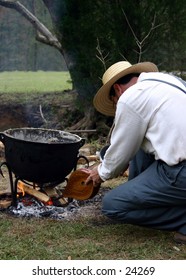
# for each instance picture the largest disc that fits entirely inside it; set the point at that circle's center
(126, 139)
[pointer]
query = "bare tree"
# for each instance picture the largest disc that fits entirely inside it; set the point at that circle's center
(43, 34)
(141, 43)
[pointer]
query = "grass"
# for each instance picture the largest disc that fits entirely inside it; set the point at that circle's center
(19, 87)
(87, 239)
(31, 82)
(86, 236)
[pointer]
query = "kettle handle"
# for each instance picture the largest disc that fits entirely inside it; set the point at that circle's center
(82, 142)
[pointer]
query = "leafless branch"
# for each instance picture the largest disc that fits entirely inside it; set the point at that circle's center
(43, 34)
(123, 56)
(141, 43)
(100, 54)
(41, 113)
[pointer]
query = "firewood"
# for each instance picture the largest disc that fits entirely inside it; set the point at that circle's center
(5, 203)
(35, 193)
(51, 192)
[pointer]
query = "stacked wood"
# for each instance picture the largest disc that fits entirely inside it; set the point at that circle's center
(33, 192)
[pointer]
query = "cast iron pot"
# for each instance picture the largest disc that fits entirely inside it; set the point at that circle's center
(41, 155)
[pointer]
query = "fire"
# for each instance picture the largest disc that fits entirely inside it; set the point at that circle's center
(49, 203)
(33, 192)
(21, 187)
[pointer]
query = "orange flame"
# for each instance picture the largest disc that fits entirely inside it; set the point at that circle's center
(20, 186)
(49, 203)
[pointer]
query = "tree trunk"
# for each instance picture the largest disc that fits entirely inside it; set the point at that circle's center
(82, 78)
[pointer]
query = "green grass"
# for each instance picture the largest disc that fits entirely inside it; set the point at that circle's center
(29, 87)
(31, 82)
(87, 239)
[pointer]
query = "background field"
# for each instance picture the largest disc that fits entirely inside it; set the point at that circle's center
(25, 94)
(32, 82)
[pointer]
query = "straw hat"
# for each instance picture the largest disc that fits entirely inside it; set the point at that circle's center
(118, 70)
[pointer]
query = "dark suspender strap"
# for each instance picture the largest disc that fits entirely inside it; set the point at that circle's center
(169, 83)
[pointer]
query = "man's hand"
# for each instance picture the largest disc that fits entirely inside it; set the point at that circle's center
(93, 176)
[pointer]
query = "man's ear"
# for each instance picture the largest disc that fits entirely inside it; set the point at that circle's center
(118, 89)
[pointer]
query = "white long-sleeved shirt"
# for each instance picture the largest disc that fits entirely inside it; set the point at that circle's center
(150, 115)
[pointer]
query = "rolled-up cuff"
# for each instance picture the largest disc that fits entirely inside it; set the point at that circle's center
(103, 178)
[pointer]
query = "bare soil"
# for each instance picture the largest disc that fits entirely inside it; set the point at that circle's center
(11, 117)
(38, 109)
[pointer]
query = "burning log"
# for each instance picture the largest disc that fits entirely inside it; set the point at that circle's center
(35, 193)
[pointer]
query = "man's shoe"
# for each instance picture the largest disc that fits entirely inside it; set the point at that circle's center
(180, 238)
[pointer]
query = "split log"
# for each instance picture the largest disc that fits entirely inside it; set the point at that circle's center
(51, 192)
(5, 203)
(35, 193)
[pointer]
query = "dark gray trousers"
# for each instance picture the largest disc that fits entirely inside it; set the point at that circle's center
(154, 196)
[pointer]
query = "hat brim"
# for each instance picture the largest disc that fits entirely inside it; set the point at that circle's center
(102, 102)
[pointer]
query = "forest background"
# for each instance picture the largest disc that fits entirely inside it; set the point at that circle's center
(93, 35)
(113, 30)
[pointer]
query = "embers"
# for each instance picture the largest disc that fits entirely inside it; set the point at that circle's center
(29, 206)
(34, 191)
(32, 202)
